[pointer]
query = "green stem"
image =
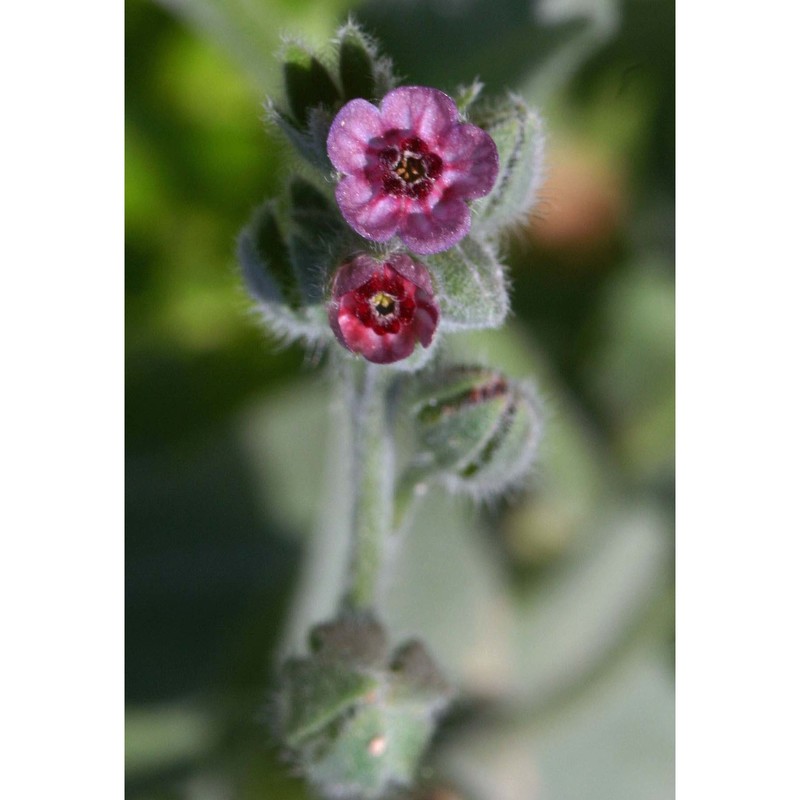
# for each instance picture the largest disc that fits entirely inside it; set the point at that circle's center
(410, 487)
(372, 486)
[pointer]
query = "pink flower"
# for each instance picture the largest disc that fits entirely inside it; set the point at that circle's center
(381, 309)
(409, 167)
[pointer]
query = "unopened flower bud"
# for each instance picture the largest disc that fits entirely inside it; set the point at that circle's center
(475, 430)
(355, 717)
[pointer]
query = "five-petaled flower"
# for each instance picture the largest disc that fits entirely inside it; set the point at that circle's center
(380, 309)
(408, 168)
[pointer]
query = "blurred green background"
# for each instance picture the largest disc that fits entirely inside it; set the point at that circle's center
(554, 609)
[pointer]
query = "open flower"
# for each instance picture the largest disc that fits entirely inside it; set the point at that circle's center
(381, 309)
(409, 167)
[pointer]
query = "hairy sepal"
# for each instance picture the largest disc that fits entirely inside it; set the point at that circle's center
(286, 267)
(518, 132)
(273, 280)
(475, 431)
(310, 140)
(307, 82)
(507, 457)
(470, 286)
(355, 717)
(363, 72)
(317, 239)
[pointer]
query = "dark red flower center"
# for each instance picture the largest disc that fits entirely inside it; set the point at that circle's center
(385, 303)
(408, 166)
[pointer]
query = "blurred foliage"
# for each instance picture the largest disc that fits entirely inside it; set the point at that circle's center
(554, 607)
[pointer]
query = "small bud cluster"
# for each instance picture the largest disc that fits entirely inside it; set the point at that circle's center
(356, 716)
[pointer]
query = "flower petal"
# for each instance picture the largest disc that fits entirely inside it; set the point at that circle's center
(425, 319)
(433, 231)
(413, 272)
(471, 160)
(425, 111)
(372, 214)
(379, 349)
(351, 131)
(354, 273)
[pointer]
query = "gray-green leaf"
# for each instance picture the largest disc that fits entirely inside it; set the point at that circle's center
(317, 233)
(471, 286)
(273, 281)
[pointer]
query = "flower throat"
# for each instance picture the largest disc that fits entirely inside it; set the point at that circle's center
(410, 168)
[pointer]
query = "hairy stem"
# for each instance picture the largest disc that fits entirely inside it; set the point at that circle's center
(410, 487)
(372, 486)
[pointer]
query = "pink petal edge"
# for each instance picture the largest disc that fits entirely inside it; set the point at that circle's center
(447, 223)
(472, 161)
(425, 111)
(351, 131)
(372, 215)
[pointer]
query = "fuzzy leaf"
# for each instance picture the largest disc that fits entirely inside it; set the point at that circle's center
(269, 275)
(315, 694)
(317, 233)
(308, 84)
(356, 718)
(474, 430)
(363, 72)
(518, 133)
(274, 282)
(465, 96)
(471, 286)
(356, 68)
(376, 750)
(310, 145)
(459, 411)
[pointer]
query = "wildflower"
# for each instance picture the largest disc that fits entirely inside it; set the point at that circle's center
(381, 309)
(409, 167)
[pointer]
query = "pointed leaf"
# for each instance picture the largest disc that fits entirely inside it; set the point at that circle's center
(272, 280)
(308, 83)
(268, 274)
(465, 96)
(310, 143)
(356, 64)
(314, 694)
(363, 72)
(471, 286)
(317, 228)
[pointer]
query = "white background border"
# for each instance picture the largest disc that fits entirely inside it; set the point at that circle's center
(738, 139)
(61, 419)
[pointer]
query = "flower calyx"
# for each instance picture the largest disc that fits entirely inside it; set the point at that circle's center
(476, 430)
(356, 716)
